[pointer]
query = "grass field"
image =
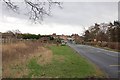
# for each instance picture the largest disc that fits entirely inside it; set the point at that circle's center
(50, 61)
(65, 64)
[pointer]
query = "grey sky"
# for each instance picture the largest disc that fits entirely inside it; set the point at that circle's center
(71, 19)
(85, 13)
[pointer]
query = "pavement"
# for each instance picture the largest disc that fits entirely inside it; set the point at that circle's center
(106, 60)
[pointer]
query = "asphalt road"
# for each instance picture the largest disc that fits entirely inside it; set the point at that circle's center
(104, 59)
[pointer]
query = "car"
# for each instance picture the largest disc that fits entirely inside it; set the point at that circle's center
(63, 43)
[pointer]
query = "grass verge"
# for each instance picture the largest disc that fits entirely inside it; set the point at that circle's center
(65, 64)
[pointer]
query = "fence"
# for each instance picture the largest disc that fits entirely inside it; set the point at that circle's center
(12, 40)
(7, 41)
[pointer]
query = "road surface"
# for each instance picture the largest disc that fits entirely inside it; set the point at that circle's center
(104, 59)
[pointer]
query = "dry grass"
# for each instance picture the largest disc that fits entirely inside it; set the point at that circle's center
(15, 57)
(18, 50)
(18, 61)
(45, 57)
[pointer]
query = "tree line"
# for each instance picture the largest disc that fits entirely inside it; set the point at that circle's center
(108, 32)
(17, 34)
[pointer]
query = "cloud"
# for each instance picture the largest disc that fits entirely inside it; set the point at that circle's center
(71, 19)
(85, 13)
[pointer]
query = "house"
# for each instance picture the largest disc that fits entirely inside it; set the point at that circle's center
(44, 39)
(9, 35)
(64, 37)
(55, 36)
(77, 38)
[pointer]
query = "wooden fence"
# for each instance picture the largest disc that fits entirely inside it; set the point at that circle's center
(7, 41)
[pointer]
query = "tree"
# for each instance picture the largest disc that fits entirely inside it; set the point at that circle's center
(37, 9)
(87, 36)
(113, 32)
(117, 30)
(104, 32)
(17, 33)
(101, 36)
(94, 31)
(31, 36)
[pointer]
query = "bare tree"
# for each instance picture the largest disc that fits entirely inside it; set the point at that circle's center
(37, 8)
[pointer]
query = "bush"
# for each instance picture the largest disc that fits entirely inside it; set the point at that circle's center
(112, 45)
(104, 44)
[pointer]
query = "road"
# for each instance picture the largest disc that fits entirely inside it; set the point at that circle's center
(104, 59)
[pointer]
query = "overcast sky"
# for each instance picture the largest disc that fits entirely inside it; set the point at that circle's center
(73, 18)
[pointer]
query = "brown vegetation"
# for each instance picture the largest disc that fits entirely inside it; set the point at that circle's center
(111, 45)
(45, 57)
(104, 35)
(15, 57)
(17, 50)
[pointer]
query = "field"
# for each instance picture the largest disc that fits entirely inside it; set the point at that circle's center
(45, 61)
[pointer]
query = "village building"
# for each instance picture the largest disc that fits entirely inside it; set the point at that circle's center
(64, 37)
(77, 38)
(44, 39)
(8, 35)
(55, 36)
